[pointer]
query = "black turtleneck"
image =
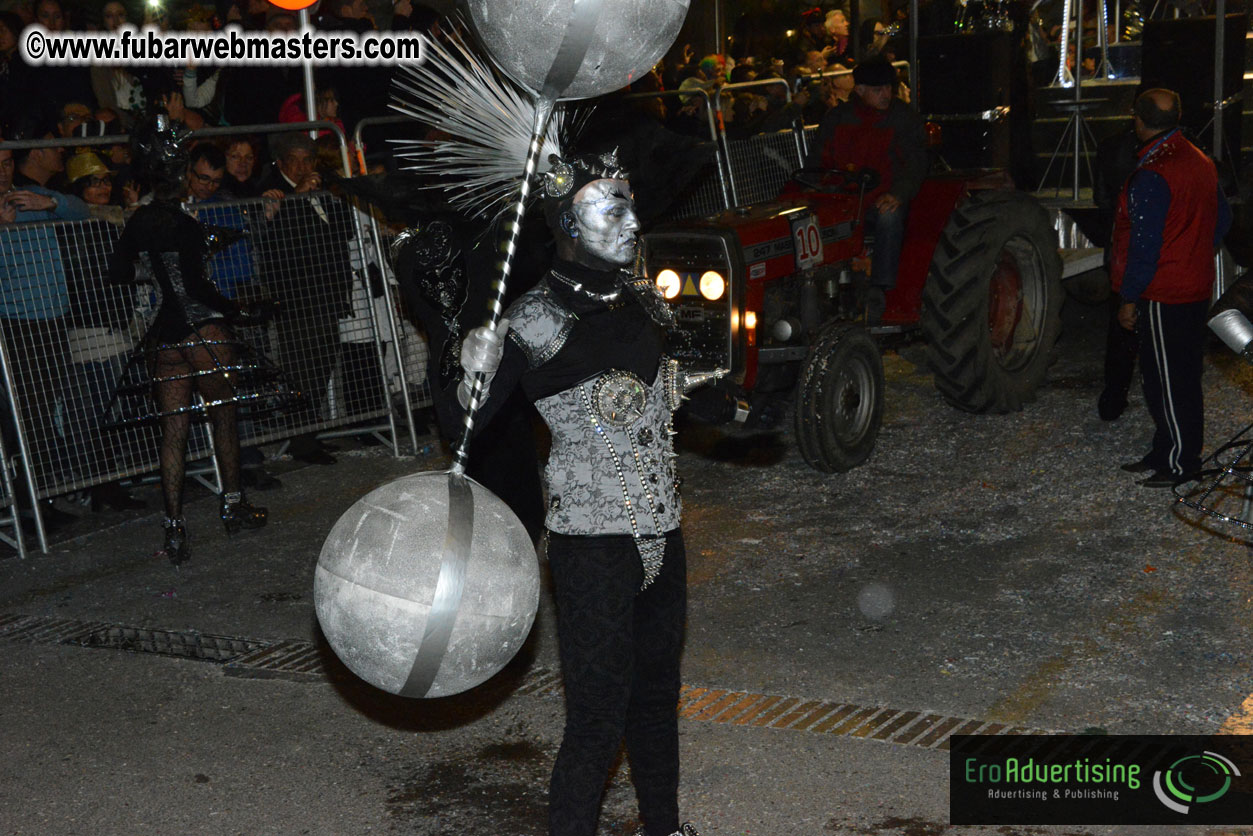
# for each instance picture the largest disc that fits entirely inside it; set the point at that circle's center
(607, 333)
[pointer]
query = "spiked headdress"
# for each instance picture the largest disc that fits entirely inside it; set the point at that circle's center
(158, 146)
(564, 178)
(489, 120)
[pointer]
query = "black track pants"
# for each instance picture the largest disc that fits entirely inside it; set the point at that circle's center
(620, 665)
(1121, 348)
(1172, 355)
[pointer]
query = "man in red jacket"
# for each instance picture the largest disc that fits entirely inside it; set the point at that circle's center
(875, 130)
(1170, 218)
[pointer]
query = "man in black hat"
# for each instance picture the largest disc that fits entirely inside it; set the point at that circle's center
(875, 130)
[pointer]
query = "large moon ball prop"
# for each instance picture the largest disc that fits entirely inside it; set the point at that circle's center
(383, 581)
(630, 36)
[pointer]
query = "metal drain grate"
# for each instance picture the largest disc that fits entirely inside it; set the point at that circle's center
(293, 660)
(37, 630)
(891, 725)
(542, 681)
(185, 645)
(206, 648)
(306, 662)
(742, 708)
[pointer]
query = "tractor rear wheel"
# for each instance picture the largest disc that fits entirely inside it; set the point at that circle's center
(839, 399)
(991, 303)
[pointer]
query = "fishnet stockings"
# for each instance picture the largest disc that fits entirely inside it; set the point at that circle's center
(208, 349)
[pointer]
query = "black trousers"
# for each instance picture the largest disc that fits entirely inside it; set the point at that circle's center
(620, 664)
(1172, 355)
(1121, 348)
(308, 349)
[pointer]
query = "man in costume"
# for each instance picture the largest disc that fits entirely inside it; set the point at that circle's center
(586, 345)
(1170, 218)
(432, 261)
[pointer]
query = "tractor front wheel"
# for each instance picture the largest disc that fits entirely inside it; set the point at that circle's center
(839, 399)
(990, 308)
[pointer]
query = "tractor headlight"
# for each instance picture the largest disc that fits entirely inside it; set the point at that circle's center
(669, 284)
(712, 285)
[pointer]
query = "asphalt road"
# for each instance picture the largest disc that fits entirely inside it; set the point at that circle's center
(979, 572)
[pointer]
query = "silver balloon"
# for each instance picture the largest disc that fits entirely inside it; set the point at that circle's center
(422, 599)
(629, 37)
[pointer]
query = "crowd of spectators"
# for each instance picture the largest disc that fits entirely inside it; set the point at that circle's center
(766, 44)
(58, 102)
(97, 180)
(808, 54)
(771, 54)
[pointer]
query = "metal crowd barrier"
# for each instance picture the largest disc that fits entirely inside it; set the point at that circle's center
(759, 165)
(744, 171)
(712, 190)
(10, 520)
(389, 333)
(69, 338)
(411, 345)
(752, 169)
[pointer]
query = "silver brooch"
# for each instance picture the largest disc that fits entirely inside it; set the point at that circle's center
(559, 180)
(619, 398)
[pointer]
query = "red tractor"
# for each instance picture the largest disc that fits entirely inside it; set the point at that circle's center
(772, 291)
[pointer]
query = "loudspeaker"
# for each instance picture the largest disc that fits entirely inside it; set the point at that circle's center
(1179, 55)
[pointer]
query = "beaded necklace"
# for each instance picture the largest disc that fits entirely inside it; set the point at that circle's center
(652, 549)
(578, 287)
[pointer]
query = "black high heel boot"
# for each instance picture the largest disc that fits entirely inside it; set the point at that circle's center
(177, 545)
(238, 513)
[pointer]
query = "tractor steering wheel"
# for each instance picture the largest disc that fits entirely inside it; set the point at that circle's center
(836, 180)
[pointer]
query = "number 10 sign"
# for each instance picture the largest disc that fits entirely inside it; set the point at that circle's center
(806, 241)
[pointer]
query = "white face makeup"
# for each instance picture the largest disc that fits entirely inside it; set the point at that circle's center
(606, 221)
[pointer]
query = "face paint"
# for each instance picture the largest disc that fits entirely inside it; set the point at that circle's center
(605, 221)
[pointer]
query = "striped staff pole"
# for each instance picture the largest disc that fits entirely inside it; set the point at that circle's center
(543, 112)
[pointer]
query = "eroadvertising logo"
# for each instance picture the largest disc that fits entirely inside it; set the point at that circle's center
(1172, 787)
(1100, 779)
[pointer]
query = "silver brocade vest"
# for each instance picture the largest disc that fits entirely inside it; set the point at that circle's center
(611, 467)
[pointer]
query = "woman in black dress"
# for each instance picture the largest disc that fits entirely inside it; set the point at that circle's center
(195, 351)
